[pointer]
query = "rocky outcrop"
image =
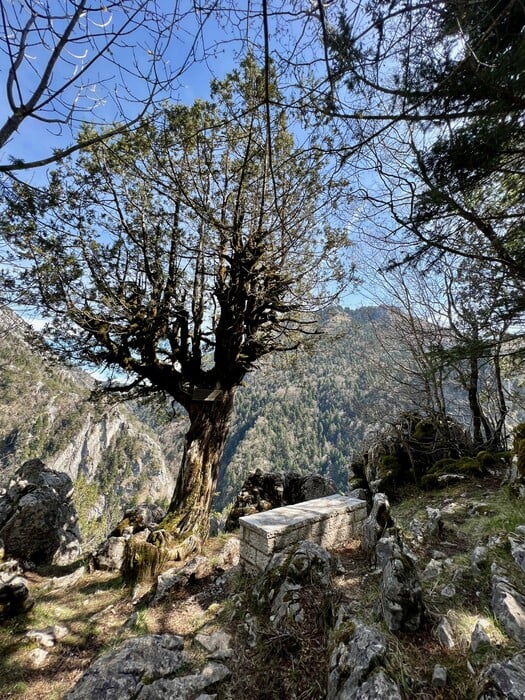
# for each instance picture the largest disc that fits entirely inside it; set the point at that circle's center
(508, 605)
(153, 667)
(504, 680)
(377, 524)
(263, 491)
(401, 593)
(356, 663)
(38, 520)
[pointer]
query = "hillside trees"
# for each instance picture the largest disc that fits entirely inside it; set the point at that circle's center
(441, 90)
(181, 253)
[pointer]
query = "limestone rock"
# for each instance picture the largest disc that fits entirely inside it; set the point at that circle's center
(174, 579)
(38, 520)
(401, 594)
(146, 668)
(517, 549)
(138, 518)
(217, 644)
(262, 491)
(279, 586)
(110, 555)
(479, 637)
(445, 634)
(505, 680)
(377, 523)
(229, 555)
(14, 596)
(508, 606)
(439, 676)
(355, 663)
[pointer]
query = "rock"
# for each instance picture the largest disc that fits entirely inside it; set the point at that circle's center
(173, 580)
(110, 555)
(508, 606)
(433, 570)
(262, 491)
(48, 636)
(479, 637)
(449, 591)
(401, 594)
(434, 522)
(14, 596)
(377, 523)
(152, 667)
(217, 644)
(505, 680)
(62, 582)
(445, 634)
(141, 517)
(517, 549)
(378, 686)
(279, 586)
(479, 559)
(230, 554)
(355, 663)
(439, 676)
(38, 519)
(38, 657)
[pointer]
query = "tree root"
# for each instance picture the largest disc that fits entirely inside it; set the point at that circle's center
(144, 559)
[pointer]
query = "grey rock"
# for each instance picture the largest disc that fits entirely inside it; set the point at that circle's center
(378, 686)
(230, 554)
(15, 598)
(432, 571)
(505, 680)
(479, 637)
(352, 661)
(146, 668)
(401, 594)
(439, 676)
(38, 519)
(385, 549)
(38, 657)
(217, 644)
(62, 582)
(517, 549)
(377, 523)
(449, 591)
(445, 634)
(479, 558)
(173, 580)
(434, 522)
(110, 555)
(508, 606)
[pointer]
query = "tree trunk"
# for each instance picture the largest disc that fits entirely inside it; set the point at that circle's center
(190, 507)
(185, 527)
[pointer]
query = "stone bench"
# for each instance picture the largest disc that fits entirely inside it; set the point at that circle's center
(329, 521)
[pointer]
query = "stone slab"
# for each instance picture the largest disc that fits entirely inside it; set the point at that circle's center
(329, 521)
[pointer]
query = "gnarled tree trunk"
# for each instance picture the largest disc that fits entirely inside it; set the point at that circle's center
(186, 525)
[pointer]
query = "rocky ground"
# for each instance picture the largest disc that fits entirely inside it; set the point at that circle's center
(217, 632)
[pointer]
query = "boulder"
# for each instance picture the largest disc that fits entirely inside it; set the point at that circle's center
(110, 554)
(14, 596)
(504, 680)
(38, 519)
(401, 594)
(152, 667)
(517, 549)
(508, 606)
(141, 517)
(266, 490)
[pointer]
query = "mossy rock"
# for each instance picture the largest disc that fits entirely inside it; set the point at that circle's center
(443, 466)
(470, 465)
(424, 431)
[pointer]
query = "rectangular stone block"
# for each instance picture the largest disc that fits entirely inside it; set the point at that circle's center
(329, 521)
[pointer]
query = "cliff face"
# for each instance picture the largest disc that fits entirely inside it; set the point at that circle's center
(46, 413)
